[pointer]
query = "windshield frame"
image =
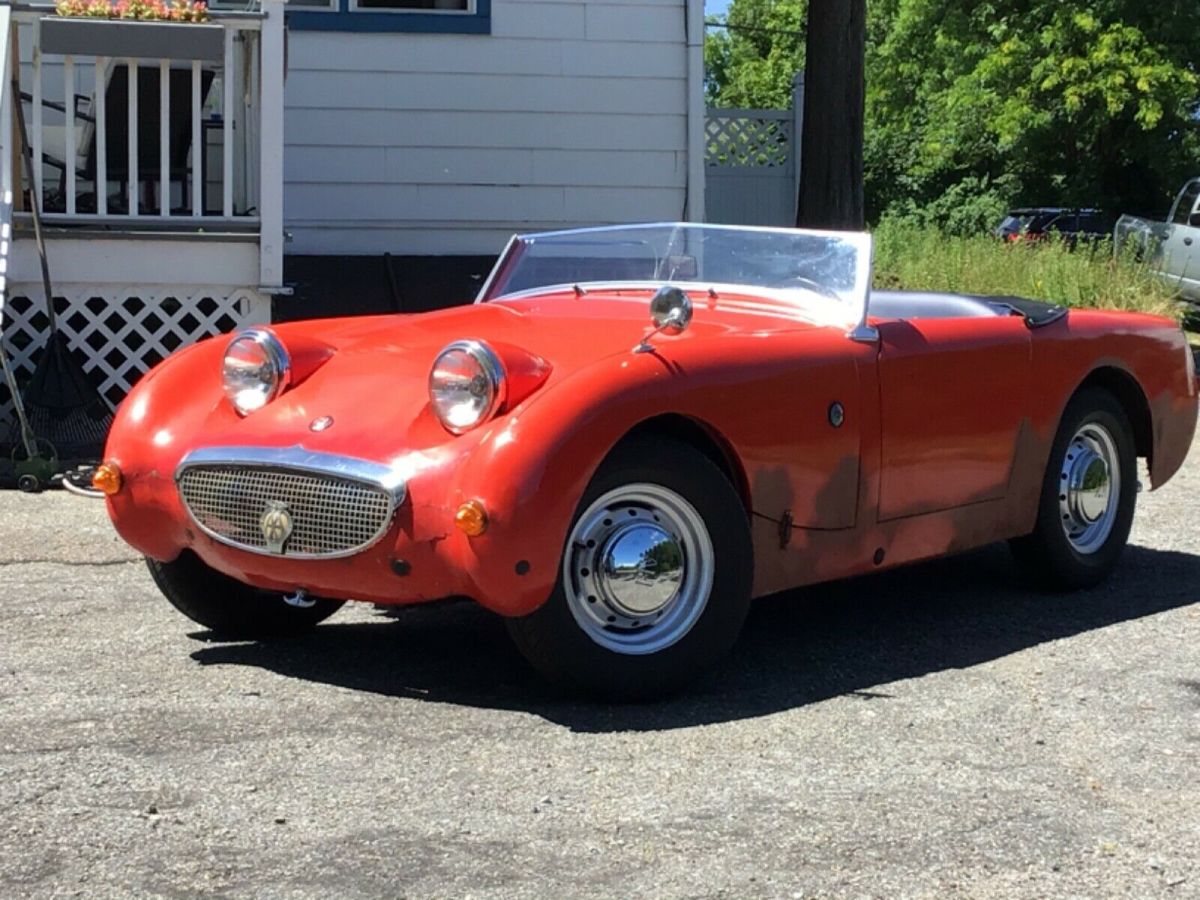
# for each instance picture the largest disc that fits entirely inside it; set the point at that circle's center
(849, 310)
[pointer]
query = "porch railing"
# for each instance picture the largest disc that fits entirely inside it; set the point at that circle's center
(203, 101)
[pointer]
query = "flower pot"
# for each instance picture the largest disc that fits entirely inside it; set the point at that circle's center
(132, 39)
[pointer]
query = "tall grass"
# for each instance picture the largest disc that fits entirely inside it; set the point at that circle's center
(909, 257)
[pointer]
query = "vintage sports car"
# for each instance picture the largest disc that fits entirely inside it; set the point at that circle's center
(631, 433)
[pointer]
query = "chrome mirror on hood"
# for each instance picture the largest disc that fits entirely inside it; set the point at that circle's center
(670, 309)
(671, 313)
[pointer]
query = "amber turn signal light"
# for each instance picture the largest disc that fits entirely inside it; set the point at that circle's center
(471, 518)
(107, 478)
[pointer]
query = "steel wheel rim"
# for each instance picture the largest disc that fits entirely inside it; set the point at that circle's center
(1089, 488)
(638, 569)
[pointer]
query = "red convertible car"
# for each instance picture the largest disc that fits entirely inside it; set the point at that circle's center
(633, 432)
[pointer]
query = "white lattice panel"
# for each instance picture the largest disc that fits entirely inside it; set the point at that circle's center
(121, 334)
(749, 139)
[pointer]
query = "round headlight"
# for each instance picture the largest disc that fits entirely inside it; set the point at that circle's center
(255, 370)
(466, 385)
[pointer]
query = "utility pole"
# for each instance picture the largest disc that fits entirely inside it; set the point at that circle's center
(831, 173)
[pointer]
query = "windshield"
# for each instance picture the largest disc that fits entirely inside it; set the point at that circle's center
(1014, 224)
(828, 272)
(1030, 221)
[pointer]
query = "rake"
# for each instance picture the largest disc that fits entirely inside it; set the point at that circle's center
(63, 415)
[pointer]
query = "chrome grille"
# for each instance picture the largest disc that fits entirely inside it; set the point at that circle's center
(331, 516)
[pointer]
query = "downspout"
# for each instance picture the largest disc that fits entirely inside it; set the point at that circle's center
(270, 160)
(694, 210)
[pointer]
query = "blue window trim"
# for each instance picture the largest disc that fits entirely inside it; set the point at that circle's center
(477, 22)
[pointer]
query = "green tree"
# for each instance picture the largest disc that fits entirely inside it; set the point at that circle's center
(751, 63)
(975, 105)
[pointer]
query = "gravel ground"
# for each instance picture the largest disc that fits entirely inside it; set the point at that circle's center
(940, 731)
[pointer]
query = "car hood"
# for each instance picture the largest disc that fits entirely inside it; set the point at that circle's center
(567, 332)
(370, 374)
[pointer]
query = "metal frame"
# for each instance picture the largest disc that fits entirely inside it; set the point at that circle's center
(857, 302)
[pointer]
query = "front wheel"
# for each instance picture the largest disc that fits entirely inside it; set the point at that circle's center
(1088, 496)
(230, 608)
(655, 579)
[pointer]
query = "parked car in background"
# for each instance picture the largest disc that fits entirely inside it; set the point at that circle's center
(1171, 247)
(1039, 223)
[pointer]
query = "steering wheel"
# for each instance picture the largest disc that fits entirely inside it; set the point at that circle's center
(816, 287)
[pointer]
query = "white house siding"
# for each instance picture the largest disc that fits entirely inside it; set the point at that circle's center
(570, 112)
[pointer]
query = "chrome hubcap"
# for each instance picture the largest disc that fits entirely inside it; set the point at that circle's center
(638, 569)
(641, 570)
(1089, 487)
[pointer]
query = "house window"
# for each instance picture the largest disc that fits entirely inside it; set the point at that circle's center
(451, 5)
(444, 16)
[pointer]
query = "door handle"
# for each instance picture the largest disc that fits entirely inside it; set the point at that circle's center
(1187, 242)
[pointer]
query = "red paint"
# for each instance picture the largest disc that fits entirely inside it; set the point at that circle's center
(952, 401)
(947, 432)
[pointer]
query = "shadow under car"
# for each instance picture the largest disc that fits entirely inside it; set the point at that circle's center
(845, 638)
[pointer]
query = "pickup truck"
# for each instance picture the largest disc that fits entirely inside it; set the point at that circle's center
(1171, 247)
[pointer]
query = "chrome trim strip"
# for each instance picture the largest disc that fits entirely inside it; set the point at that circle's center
(856, 297)
(501, 260)
(1056, 316)
(302, 459)
(298, 459)
(864, 334)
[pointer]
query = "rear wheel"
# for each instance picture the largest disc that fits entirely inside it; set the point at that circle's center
(230, 608)
(1088, 496)
(655, 579)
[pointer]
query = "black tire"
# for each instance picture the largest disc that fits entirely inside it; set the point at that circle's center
(1047, 554)
(229, 608)
(560, 649)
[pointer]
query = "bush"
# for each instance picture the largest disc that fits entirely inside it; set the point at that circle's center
(912, 257)
(971, 206)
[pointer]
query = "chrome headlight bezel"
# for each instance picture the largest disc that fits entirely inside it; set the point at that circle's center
(491, 367)
(276, 358)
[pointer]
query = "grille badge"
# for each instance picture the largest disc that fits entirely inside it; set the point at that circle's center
(321, 423)
(276, 525)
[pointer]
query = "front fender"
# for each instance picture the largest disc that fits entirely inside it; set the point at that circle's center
(148, 437)
(531, 470)
(769, 405)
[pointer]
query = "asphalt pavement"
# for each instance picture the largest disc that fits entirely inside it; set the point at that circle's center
(940, 731)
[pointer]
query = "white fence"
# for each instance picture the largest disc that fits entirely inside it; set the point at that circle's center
(752, 164)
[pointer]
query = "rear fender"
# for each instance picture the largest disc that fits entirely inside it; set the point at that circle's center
(1149, 352)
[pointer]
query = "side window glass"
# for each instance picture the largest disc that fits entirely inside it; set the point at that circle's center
(1187, 203)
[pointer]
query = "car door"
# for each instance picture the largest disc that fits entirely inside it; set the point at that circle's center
(1181, 249)
(953, 395)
